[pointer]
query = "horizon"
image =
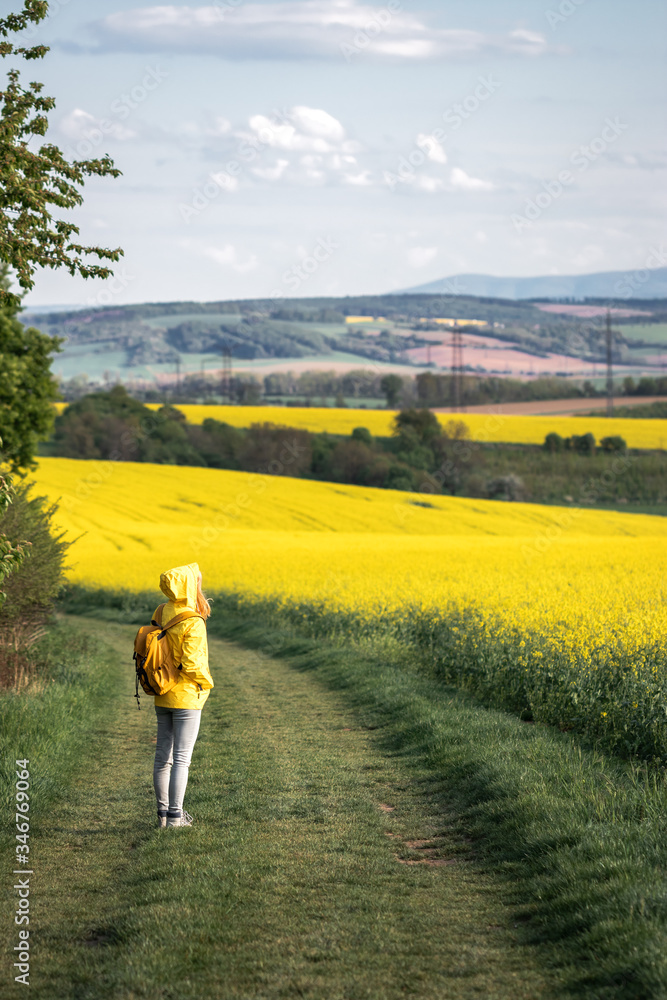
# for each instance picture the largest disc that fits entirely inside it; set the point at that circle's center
(627, 300)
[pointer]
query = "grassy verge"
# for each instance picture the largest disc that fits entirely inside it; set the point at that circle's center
(320, 866)
(52, 721)
(612, 696)
(576, 839)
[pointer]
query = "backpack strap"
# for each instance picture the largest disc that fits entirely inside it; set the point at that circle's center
(159, 612)
(184, 615)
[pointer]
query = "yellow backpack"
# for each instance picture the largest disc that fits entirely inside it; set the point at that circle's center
(154, 664)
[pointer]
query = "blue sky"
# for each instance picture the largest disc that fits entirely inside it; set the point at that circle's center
(332, 147)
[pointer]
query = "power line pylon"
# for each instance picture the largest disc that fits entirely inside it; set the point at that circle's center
(226, 384)
(457, 370)
(610, 372)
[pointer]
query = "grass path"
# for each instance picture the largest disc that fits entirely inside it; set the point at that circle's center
(315, 869)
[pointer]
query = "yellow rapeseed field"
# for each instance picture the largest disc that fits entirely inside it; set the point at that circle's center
(354, 546)
(513, 593)
(483, 426)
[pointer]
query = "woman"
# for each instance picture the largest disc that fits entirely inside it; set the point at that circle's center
(179, 710)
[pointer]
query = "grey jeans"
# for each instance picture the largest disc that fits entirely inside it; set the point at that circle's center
(177, 730)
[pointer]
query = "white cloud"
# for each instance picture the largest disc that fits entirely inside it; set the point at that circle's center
(325, 152)
(428, 184)
(80, 124)
(309, 146)
(529, 43)
(228, 256)
(221, 126)
(301, 29)
(432, 148)
(302, 128)
(461, 180)
(421, 256)
(316, 122)
(362, 179)
(226, 181)
(273, 173)
(408, 49)
(638, 160)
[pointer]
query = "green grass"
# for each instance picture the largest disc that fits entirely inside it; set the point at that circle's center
(55, 723)
(642, 411)
(651, 333)
(579, 839)
(301, 877)
(549, 478)
(291, 884)
(655, 509)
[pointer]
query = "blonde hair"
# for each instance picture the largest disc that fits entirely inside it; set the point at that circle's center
(203, 606)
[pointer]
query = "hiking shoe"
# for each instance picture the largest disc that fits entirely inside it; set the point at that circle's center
(184, 820)
(161, 821)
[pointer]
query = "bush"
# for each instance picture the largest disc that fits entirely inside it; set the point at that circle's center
(505, 488)
(553, 443)
(32, 588)
(615, 443)
(351, 462)
(278, 451)
(583, 444)
(456, 430)
(399, 478)
(362, 434)
(422, 423)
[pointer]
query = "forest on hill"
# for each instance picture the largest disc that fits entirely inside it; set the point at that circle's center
(299, 328)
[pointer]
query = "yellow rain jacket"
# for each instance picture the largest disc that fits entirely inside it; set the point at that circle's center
(188, 641)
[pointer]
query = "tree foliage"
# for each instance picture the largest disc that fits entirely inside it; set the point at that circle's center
(112, 426)
(392, 386)
(37, 181)
(11, 555)
(423, 424)
(33, 587)
(27, 388)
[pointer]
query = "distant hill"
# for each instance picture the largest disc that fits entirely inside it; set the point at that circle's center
(639, 284)
(151, 340)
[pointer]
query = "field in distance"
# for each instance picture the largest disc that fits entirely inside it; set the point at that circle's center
(501, 427)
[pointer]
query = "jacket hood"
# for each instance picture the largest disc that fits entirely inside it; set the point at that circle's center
(179, 585)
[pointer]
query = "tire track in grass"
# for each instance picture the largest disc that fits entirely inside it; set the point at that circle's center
(314, 869)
